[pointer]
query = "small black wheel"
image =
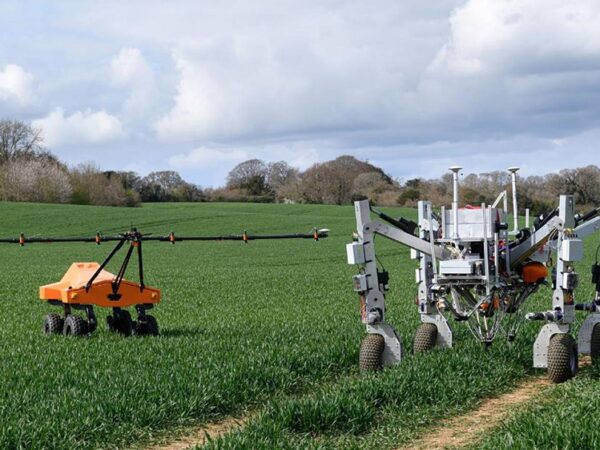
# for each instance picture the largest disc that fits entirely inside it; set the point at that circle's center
(595, 343)
(425, 338)
(110, 323)
(563, 358)
(371, 352)
(74, 326)
(122, 322)
(146, 325)
(53, 324)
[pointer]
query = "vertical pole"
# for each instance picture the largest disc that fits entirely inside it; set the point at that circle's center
(455, 170)
(424, 272)
(431, 239)
(486, 258)
(513, 173)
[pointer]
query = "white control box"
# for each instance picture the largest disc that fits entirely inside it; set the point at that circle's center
(457, 267)
(355, 253)
(571, 250)
(470, 223)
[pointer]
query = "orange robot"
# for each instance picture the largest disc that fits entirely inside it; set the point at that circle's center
(89, 284)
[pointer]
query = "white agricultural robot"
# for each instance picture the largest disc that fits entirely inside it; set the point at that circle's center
(472, 268)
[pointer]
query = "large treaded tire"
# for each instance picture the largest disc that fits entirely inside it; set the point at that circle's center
(74, 326)
(53, 324)
(562, 358)
(595, 343)
(371, 352)
(425, 338)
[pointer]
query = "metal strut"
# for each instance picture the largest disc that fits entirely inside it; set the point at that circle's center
(88, 285)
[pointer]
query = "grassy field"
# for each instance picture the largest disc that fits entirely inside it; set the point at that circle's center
(270, 328)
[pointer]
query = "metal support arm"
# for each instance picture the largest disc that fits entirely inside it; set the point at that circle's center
(538, 239)
(409, 240)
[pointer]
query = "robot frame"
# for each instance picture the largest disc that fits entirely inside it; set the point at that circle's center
(472, 268)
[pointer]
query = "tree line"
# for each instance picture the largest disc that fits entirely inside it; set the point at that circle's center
(29, 172)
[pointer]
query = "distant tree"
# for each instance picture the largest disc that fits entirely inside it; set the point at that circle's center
(483, 187)
(188, 192)
(166, 179)
(247, 173)
(332, 182)
(584, 183)
(93, 187)
(130, 180)
(166, 186)
(535, 193)
(369, 184)
(250, 176)
(18, 139)
(408, 196)
(413, 183)
(35, 180)
(280, 174)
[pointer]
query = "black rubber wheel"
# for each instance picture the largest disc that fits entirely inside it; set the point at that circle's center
(110, 323)
(595, 343)
(146, 326)
(53, 324)
(371, 351)
(122, 322)
(74, 326)
(563, 358)
(425, 338)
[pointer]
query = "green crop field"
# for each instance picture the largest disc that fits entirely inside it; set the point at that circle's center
(269, 330)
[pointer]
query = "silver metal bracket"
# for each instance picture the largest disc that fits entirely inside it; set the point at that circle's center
(444, 334)
(540, 347)
(392, 353)
(584, 339)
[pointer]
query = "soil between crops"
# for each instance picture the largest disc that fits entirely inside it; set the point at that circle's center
(467, 429)
(202, 434)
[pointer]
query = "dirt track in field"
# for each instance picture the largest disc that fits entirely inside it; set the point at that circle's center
(463, 430)
(455, 432)
(460, 431)
(200, 435)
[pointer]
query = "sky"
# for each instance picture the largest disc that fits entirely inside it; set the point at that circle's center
(411, 86)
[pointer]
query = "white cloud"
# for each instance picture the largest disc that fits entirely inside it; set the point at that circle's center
(207, 158)
(522, 36)
(130, 70)
(87, 127)
(16, 85)
(502, 69)
(295, 70)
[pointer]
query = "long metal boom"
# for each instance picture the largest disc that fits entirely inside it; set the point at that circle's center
(171, 237)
